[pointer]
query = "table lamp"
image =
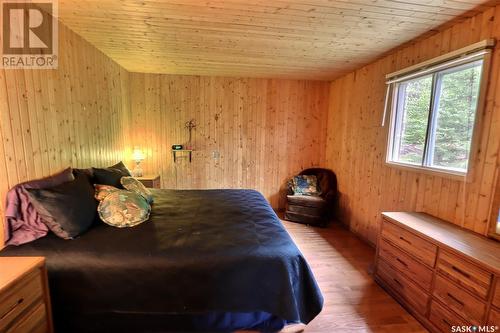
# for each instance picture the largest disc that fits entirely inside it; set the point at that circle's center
(137, 156)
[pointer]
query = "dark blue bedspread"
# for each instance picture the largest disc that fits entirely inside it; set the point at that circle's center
(203, 252)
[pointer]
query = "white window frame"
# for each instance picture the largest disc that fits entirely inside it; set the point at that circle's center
(435, 67)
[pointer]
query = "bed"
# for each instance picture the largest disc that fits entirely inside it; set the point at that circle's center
(214, 260)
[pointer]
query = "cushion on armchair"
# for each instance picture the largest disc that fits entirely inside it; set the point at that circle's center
(306, 185)
(306, 200)
(305, 210)
(309, 207)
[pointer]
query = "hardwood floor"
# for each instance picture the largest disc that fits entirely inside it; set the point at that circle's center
(353, 301)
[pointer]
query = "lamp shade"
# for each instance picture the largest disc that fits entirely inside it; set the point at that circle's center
(137, 155)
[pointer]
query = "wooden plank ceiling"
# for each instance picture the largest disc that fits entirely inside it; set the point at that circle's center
(308, 39)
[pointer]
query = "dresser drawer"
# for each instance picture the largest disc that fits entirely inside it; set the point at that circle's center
(413, 269)
(459, 300)
(467, 275)
(414, 245)
(17, 299)
(444, 319)
(494, 317)
(496, 296)
(34, 322)
(406, 289)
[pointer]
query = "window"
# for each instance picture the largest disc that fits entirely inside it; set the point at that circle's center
(497, 223)
(434, 113)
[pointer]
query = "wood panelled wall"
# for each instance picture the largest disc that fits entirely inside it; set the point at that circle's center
(264, 131)
(251, 133)
(73, 116)
(356, 141)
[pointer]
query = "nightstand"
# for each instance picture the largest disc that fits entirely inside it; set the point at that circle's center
(151, 181)
(24, 295)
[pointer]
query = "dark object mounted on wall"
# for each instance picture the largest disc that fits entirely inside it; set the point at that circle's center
(189, 151)
(177, 147)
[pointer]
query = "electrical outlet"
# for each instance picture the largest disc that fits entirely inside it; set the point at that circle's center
(215, 154)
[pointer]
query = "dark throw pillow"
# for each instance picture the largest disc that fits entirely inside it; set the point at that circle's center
(108, 177)
(89, 172)
(63, 176)
(120, 166)
(111, 176)
(68, 209)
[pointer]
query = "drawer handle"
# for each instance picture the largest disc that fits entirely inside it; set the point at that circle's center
(446, 322)
(399, 283)
(455, 299)
(458, 270)
(19, 301)
(404, 240)
(402, 262)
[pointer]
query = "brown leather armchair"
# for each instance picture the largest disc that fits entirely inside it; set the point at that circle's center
(314, 210)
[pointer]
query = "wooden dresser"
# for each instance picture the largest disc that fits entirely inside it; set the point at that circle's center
(24, 296)
(443, 275)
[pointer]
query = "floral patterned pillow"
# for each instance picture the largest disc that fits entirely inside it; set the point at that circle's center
(123, 209)
(102, 191)
(132, 184)
(306, 185)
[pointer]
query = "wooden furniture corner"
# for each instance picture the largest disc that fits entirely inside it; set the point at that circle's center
(151, 181)
(442, 274)
(24, 296)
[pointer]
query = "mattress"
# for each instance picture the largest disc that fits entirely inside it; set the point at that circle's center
(202, 252)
